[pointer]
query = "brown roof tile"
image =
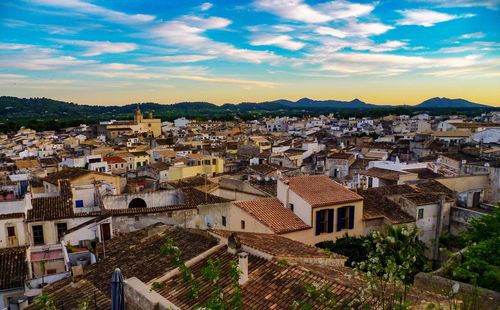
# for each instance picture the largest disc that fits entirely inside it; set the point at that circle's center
(272, 213)
(13, 267)
(270, 286)
(320, 190)
(137, 254)
(377, 205)
(277, 245)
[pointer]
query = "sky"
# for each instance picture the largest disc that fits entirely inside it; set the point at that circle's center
(117, 52)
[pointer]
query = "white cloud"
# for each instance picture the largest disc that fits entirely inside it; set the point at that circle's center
(177, 58)
(331, 32)
(474, 35)
(11, 76)
(341, 9)
(13, 46)
(212, 22)
(206, 6)
(283, 41)
(29, 57)
(189, 34)
(89, 8)
(366, 29)
(490, 4)
(295, 10)
(298, 10)
(95, 48)
(426, 18)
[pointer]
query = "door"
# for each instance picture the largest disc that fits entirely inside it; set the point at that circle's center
(106, 231)
(475, 199)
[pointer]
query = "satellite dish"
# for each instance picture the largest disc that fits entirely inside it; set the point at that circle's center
(209, 221)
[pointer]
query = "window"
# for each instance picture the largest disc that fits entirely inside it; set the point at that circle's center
(290, 206)
(223, 221)
(61, 229)
(38, 235)
(370, 182)
(242, 224)
(11, 231)
(324, 221)
(79, 203)
(214, 161)
(420, 214)
(345, 218)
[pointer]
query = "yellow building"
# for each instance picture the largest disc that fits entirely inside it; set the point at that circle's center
(308, 209)
(196, 164)
(149, 125)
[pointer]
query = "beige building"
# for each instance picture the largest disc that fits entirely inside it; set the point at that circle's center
(149, 125)
(308, 209)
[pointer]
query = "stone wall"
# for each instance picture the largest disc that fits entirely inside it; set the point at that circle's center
(487, 299)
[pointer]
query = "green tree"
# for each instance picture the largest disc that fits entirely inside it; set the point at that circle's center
(394, 257)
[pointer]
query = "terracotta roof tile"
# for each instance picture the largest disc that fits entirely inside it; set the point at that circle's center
(272, 213)
(277, 245)
(377, 205)
(13, 267)
(320, 190)
(137, 254)
(70, 295)
(270, 285)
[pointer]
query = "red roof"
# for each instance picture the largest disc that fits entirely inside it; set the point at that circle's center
(320, 190)
(114, 160)
(271, 213)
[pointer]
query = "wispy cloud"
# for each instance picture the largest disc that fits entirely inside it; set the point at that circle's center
(95, 48)
(490, 4)
(426, 18)
(298, 10)
(30, 57)
(177, 58)
(206, 6)
(283, 41)
(474, 35)
(189, 32)
(92, 9)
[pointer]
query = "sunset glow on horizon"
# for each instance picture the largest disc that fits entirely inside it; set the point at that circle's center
(121, 52)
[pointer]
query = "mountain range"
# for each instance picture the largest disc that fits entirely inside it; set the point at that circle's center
(28, 110)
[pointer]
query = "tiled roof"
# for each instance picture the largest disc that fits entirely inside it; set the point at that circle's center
(426, 198)
(194, 197)
(278, 246)
(270, 286)
(13, 268)
(114, 160)
(137, 254)
(132, 211)
(425, 173)
(377, 205)
(433, 186)
(8, 216)
(320, 190)
(51, 208)
(66, 173)
(190, 182)
(385, 174)
(71, 294)
(272, 213)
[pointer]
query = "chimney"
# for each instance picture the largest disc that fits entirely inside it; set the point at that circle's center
(243, 267)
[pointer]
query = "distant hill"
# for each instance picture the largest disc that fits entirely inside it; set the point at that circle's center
(437, 102)
(45, 113)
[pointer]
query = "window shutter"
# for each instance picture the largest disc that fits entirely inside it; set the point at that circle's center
(351, 217)
(340, 217)
(330, 220)
(318, 219)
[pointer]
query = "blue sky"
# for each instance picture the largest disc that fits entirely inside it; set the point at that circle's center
(117, 52)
